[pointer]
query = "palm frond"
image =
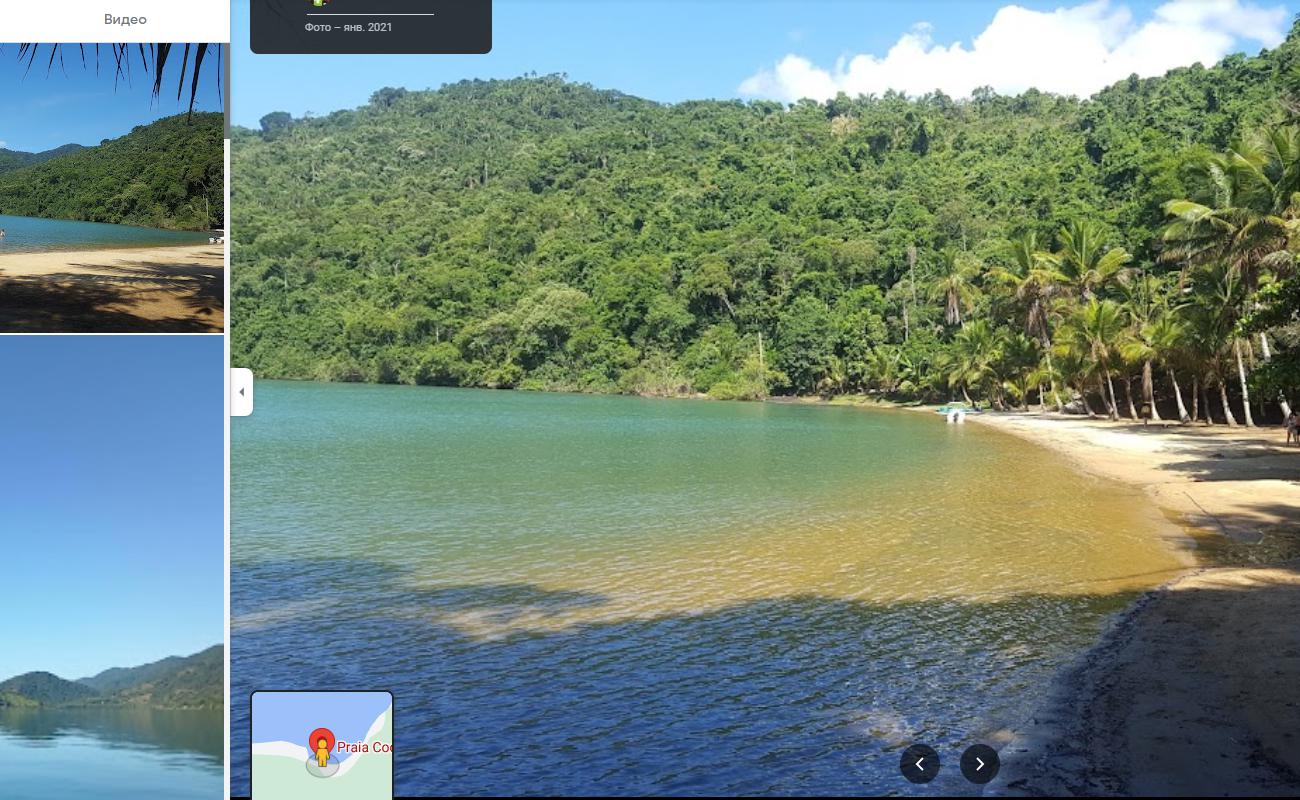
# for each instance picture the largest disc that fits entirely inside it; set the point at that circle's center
(152, 60)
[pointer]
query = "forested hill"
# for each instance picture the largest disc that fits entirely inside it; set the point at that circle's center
(17, 159)
(539, 233)
(195, 681)
(42, 688)
(167, 174)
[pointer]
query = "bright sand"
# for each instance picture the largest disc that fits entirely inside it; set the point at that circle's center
(137, 290)
(1194, 689)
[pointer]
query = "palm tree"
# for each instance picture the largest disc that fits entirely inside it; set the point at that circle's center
(1096, 331)
(1215, 313)
(1247, 210)
(1144, 302)
(1073, 369)
(1018, 366)
(1035, 284)
(884, 368)
(1045, 372)
(1083, 262)
(1165, 336)
(972, 359)
(1126, 380)
(1247, 215)
(834, 377)
(955, 284)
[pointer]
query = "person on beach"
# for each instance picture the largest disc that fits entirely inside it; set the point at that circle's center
(1292, 428)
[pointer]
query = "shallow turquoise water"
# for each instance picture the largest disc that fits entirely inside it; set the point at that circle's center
(576, 595)
(28, 234)
(113, 754)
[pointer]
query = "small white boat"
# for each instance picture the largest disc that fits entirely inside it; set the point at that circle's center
(956, 412)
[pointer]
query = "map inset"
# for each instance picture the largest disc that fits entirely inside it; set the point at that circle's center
(322, 745)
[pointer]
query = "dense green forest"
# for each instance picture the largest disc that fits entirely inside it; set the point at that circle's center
(167, 174)
(16, 159)
(535, 233)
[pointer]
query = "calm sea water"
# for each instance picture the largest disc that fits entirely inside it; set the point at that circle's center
(114, 754)
(581, 595)
(27, 234)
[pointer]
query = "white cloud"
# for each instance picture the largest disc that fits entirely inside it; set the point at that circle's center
(1071, 50)
(3, 144)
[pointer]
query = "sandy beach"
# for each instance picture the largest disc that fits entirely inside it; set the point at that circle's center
(175, 289)
(1194, 689)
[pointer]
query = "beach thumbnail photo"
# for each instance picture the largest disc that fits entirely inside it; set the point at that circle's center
(112, 188)
(111, 657)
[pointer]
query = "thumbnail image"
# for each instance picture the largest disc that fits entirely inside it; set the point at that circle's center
(112, 668)
(112, 188)
(730, 408)
(326, 745)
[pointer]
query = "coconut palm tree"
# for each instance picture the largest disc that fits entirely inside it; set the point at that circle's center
(1215, 312)
(834, 377)
(973, 357)
(1140, 350)
(1035, 284)
(1144, 302)
(1083, 261)
(1097, 332)
(884, 368)
(1046, 372)
(1125, 370)
(1166, 335)
(955, 284)
(1246, 215)
(1073, 369)
(1018, 365)
(1245, 212)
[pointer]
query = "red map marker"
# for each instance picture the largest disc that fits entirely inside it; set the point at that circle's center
(313, 741)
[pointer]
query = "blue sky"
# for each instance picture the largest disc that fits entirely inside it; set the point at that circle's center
(672, 50)
(44, 108)
(111, 501)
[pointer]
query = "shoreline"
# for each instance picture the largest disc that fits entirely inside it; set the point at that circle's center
(1192, 686)
(156, 289)
(108, 248)
(1232, 481)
